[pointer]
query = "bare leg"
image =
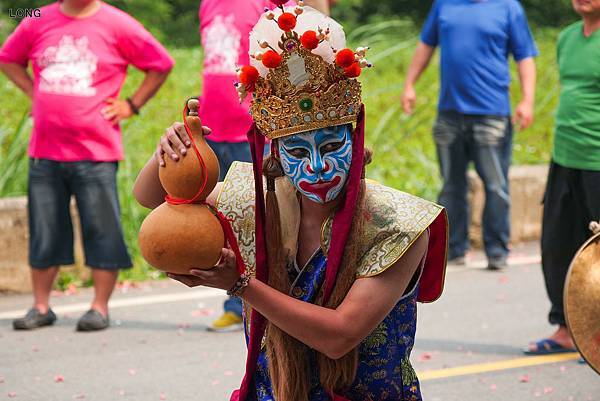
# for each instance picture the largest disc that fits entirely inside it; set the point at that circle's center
(562, 336)
(42, 281)
(104, 284)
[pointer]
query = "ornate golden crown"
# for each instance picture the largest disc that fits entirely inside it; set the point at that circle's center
(301, 90)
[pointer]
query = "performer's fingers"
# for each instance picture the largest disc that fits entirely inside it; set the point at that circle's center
(227, 254)
(165, 144)
(158, 155)
(175, 140)
(180, 129)
(204, 274)
(190, 281)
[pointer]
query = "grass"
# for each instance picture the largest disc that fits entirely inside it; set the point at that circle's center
(404, 150)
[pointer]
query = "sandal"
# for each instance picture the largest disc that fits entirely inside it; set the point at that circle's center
(548, 347)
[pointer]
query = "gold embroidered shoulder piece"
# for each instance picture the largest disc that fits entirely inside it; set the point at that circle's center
(394, 220)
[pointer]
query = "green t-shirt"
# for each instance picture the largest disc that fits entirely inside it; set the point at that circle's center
(577, 137)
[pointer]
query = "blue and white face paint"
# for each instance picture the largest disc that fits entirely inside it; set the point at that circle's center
(318, 162)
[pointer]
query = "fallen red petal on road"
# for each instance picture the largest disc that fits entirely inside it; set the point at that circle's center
(202, 312)
(525, 379)
(59, 378)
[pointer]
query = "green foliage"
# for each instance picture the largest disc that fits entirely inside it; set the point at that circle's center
(552, 13)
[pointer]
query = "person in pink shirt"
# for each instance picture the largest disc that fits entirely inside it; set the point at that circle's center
(225, 30)
(79, 51)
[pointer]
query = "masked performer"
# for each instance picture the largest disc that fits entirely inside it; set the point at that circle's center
(334, 263)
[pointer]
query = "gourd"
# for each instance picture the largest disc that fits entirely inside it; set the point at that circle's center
(184, 232)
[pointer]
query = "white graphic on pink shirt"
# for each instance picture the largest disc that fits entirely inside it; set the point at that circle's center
(67, 69)
(222, 43)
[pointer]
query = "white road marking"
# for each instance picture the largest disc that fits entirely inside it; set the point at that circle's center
(132, 301)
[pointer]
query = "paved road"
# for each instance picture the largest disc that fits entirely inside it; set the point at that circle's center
(468, 346)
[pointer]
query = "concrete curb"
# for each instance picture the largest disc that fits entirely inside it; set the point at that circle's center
(14, 244)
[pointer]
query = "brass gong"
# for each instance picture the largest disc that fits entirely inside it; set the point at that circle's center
(582, 299)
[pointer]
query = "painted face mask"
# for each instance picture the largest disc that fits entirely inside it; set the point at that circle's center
(318, 162)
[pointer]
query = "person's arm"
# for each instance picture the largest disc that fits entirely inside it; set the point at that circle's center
(524, 111)
(120, 109)
(334, 332)
(19, 76)
(321, 5)
(147, 189)
(419, 63)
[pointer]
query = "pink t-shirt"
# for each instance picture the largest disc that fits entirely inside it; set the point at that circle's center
(78, 64)
(225, 30)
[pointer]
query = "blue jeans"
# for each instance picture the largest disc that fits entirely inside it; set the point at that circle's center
(228, 152)
(487, 141)
(94, 186)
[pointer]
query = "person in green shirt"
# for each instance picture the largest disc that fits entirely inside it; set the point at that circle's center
(572, 198)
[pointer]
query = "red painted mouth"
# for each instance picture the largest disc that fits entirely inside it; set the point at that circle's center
(320, 188)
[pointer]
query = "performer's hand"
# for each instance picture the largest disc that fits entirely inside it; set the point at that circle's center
(175, 137)
(116, 110)
(408, 99)
(223, 275)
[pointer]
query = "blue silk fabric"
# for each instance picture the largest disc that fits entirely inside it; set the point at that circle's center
(384, 371)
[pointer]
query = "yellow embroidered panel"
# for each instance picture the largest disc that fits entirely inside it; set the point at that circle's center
(236, 202)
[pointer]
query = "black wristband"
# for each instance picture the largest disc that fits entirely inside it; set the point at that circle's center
(133, 107)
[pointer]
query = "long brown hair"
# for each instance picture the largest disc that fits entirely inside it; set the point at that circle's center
(288, 358)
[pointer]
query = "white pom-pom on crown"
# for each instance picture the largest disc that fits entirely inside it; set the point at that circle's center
(309, 20)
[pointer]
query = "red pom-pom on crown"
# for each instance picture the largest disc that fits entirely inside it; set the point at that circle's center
(287, 21)
(279, 3)
(271, 59)
(353, 71)
(309, 40)
(248, 76)
(345, 58)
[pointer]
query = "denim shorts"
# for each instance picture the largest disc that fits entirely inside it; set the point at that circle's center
(93, 184)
